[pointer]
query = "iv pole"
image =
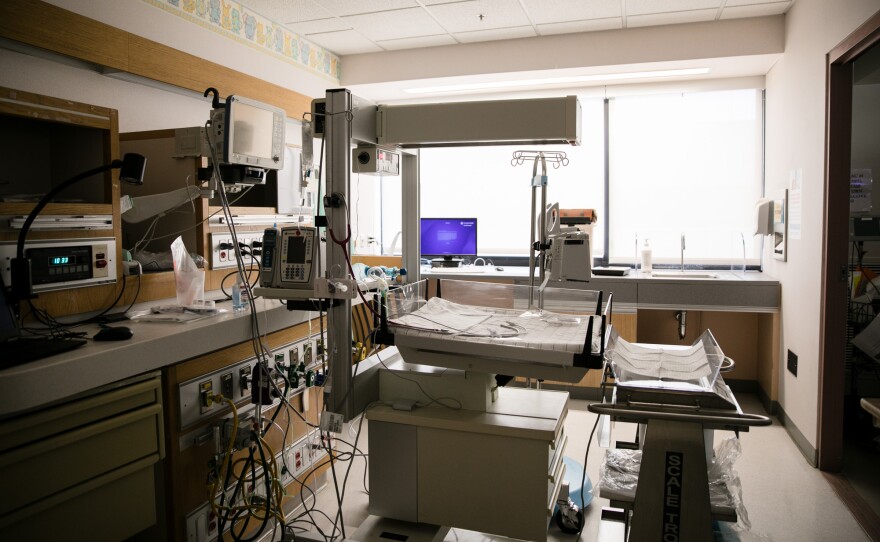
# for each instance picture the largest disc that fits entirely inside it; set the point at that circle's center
(538, 181)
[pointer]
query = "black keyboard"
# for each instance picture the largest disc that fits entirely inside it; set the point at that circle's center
(20, 351)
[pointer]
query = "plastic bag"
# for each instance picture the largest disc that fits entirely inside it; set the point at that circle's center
(162, 261)
(189, 279)
(619, 474)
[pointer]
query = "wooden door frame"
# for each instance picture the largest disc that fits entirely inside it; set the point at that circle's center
(835, 238)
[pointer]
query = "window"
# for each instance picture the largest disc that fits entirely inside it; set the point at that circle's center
(686, 164)
(481, 182)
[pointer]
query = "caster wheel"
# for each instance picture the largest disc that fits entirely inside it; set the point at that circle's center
(565, 523)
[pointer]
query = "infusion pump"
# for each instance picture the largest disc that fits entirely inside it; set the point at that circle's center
(289, 257)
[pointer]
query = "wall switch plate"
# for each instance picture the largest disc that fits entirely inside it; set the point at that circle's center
(792, 363)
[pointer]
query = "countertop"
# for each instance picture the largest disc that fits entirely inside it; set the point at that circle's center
(157, 345)
(730, 291)
(153, 346)
(516, 273)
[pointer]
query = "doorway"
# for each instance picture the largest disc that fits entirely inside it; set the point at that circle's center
(849, 83)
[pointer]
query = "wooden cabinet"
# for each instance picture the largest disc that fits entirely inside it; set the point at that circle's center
(84, 467)
(751, 339)
(43, 142)
(197, 221)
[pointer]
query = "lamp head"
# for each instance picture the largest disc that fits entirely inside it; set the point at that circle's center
(132, 168)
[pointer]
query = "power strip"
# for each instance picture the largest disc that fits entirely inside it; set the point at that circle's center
(223, 250)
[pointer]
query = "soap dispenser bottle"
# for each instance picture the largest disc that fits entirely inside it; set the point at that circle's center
(646, 254)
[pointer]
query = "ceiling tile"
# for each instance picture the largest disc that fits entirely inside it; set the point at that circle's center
(342, 8)
(415, 43)
(694, 16)
(389, 25)
(758, 10)
(465, 16)
(646, 7)
(733, 3)
(347, 42)
(497, 34)
(563, 11)
(321, 25)
(287, 11)
(612, 23)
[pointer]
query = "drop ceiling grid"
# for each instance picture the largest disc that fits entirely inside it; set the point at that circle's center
(357, 26)
(347, 40)
(466, 16)
(565, 11)
(343, 8)
(400, 23)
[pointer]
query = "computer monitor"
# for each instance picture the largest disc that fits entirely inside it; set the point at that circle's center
(449, 237)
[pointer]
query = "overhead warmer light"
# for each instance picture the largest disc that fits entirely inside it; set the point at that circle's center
(497, 85)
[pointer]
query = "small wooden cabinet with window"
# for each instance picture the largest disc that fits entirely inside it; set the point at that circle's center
(43, 142)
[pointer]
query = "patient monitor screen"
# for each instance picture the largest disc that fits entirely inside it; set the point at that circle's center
(252, 129)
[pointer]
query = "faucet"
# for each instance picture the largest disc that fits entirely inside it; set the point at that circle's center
(682, 252)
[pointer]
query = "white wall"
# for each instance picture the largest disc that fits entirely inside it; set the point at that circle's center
(796, 140)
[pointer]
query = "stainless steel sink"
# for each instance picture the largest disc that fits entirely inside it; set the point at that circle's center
(684, 275)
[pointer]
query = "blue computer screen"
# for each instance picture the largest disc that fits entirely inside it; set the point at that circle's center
(449, 237)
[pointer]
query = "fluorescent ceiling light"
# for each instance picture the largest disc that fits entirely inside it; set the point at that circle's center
(557, 80)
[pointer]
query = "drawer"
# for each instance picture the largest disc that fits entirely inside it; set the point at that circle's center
(109, 508)
(102, 404)
(54, 464)
(554, 485)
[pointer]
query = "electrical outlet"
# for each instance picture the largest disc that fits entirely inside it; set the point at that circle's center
(206, 395)
(792, 363)
(227, 386)
(305, 449)
(244, 378)
(201, 525)
(319, 348)
(288, 464)
(223, 250)
(307, 354)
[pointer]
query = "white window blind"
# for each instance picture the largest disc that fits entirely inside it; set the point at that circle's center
(686, 164)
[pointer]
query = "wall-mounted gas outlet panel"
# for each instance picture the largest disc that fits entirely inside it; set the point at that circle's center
(223, 250)
(234, 381)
